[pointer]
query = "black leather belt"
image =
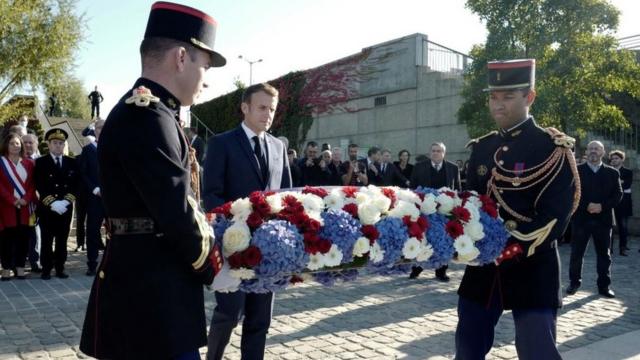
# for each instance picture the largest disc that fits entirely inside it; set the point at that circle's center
(132, 226)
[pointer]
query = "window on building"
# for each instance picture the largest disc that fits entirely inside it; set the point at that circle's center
(380, 101)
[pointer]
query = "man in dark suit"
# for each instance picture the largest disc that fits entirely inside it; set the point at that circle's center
(372, 165)
(313, 169)
(147, 300)
(88, 167)
(600, 193)
(56, 178)
(239, 162)
(197, 143)
(625, 208)
(528, 171)
(389, 172)
(435, 173)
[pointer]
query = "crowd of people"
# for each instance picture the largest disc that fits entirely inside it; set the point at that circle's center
(37, 200)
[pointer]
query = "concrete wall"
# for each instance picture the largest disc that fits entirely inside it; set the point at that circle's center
(420, 108)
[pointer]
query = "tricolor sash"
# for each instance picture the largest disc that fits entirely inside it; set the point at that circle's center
(12, 174)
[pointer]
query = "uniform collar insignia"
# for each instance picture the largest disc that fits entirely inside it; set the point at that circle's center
(142, 96)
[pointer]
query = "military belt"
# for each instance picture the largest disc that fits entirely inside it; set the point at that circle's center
(132, 226)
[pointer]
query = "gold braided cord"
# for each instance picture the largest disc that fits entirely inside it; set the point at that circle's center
(507, 208)
(546, 165)
(561, 162)
(195, 173)
(576, 177)
(495, 160)
(534, 183)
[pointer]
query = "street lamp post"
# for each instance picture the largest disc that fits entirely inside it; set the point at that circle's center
(250, 67)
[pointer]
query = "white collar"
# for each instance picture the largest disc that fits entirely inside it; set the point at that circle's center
(518, 124)
(250, 134)
(436, 165)
(54, 157)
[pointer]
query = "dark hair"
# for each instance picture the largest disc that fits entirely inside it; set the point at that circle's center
(351, 146)
(4, 147)
(385, 150)
(311, 144)
(154, 48)
(373, 150)
(404, 151)
(264, 87)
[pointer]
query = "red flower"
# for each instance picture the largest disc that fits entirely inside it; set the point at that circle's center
(421, 196)
(462, 214)
(311, 237)
(224, 209)
(350, 191)
(487, 200)
(312, 225)
(370, 232)
(490, 210)
(235, 261)
(450, 194)
(290, 201)
(416, 231)
(251, 256)
(254, 220)
(406, 220)
(351, 209)
(465, 194)
(295, 279)
(391, 195)
(324, 246)
(423, 223)
(269, 193)
(454, 228)
(315, 191)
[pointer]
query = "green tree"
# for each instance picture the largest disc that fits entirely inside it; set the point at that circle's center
(71, 97)
(38, 41)
(579, 65)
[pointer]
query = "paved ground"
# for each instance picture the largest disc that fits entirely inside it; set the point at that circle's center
(374, 318)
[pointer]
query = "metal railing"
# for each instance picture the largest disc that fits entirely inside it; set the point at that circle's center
(200, 126)
(620, 138)
(443, 59)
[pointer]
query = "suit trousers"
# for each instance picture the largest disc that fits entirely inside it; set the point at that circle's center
(601, 234)
(257, 310)
(623, 232)
(81, 217)
(34, 245)
(95, 216)
(14, 244)
(535, 331)
(54, 228)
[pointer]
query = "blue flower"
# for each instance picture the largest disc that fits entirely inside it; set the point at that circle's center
(343, 230)
(494, 241)
(426, 190)
(220, 227)
(282, 249)
(440, 241)
(263, 285)
(329, 278)
(393, 234)
(399, 269)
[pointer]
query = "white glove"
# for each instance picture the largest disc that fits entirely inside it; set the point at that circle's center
(57, 207)
(96, 191)
(224, 282)
(65, 203)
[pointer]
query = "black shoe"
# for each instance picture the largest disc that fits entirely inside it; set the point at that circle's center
(90, 272)
(572, 289)
(415, 272)
(61, 274)
(443, 278)
(608, 293)
(45, 276)
(623, 253)
(36, 269)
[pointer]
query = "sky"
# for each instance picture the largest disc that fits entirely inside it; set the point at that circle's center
(286, 35)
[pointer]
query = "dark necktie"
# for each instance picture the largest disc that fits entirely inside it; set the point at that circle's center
(257, 149)
(58, 163)
(384, 167)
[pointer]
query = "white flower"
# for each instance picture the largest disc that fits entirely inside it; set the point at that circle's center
(376, 254)
(426, 250)
(473, 210)
(334, 200)
(371, 191)
(236, 238)
(408, 196)
(312, 203)
(315, 215)
(275, 203)
(465, 248)
(475, 200)
(446, 204)
(411, 248)
(382, 202)
(241, 209)
(368, 213)
(242, 273)
(404, 208)
(316, 261)
(429, 205)
(361, 198)
(333, 257)
(361, 246)
(475, 230)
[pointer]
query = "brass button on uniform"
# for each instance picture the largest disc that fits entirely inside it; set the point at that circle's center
(505, 148)
(101, 274)
(500, 162)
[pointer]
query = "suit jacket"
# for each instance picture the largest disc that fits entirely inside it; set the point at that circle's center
(198, 145)
(421, 175)
(7, 198)
(231, 170)
(54, 183)
(625, 207)
(88, 167)
(313, 175)
(373, 178)
(392, 176)
(602, 187)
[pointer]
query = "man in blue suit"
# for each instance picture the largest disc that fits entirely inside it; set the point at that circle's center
(238, 162)
(88, 166)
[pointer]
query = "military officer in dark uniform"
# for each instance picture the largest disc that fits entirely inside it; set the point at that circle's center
(147, 299)
(56, 178)
(531, 173)
(624, 210)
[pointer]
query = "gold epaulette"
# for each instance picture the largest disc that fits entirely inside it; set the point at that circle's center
(477, 140)
(141, 96)
(560, 138)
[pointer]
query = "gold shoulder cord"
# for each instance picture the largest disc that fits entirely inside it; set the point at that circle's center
(195, 173)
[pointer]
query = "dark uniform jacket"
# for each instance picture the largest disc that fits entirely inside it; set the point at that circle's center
(625, 207)
(88, 167)
(421, 175)
(147, 301)
(532, 280)
(601, 187)
(54, 183)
